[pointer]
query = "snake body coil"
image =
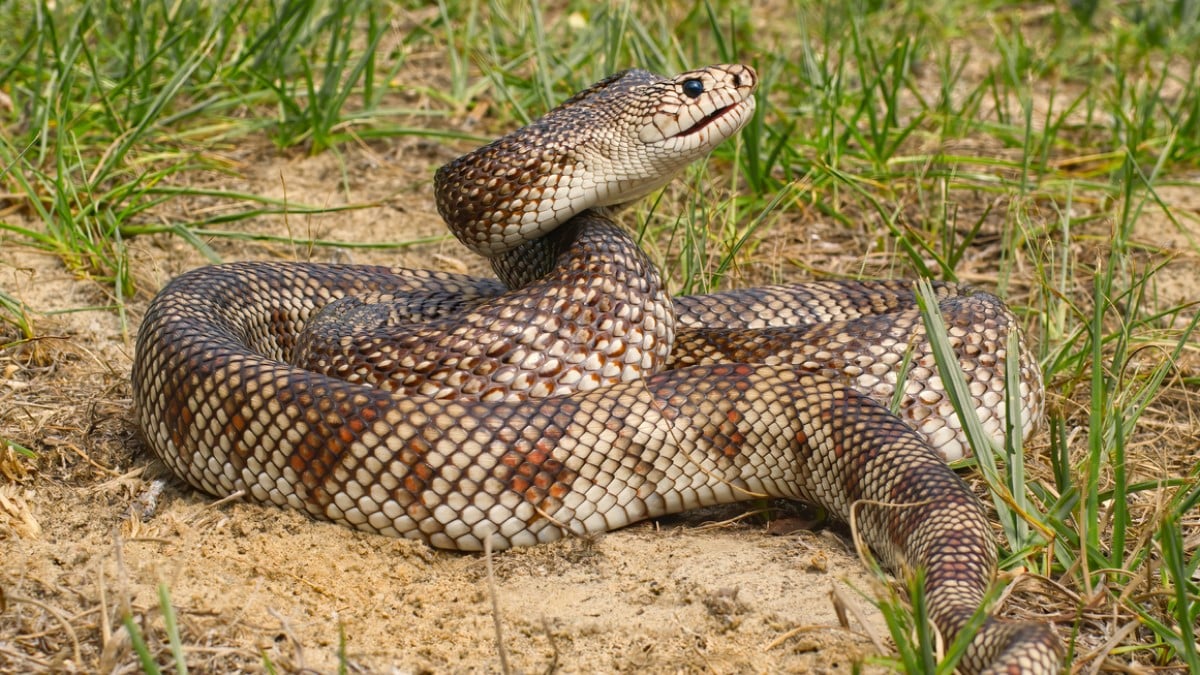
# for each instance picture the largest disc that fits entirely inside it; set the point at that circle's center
(577, 397)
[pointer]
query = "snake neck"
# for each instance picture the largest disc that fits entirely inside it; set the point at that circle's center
(589, 243)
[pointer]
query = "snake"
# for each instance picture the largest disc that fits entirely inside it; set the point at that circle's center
(571, 394)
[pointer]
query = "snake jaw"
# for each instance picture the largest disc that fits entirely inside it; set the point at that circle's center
(710, 130)
(706, 120)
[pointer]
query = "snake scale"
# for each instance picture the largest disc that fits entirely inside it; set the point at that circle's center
(574, 395)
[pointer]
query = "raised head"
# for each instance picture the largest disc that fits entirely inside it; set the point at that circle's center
(610, 144)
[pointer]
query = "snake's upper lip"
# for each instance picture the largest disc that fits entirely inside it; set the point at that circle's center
(709, 119)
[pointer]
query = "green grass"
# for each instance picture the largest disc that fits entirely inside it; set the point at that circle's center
(921, 133)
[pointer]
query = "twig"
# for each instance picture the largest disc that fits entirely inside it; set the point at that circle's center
(62, 620)
(854, 609)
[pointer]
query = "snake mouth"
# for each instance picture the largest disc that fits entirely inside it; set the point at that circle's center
(708, 119)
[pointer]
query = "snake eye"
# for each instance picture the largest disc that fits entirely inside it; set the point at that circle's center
(693, 88)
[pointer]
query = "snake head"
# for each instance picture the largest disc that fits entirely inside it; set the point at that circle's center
(637, 130)
(614, 142)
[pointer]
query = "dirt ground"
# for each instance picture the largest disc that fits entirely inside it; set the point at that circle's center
(85, 532)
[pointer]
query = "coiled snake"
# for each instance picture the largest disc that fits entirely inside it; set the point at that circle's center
(452, 409)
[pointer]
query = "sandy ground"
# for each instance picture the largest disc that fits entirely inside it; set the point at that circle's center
(84, 532)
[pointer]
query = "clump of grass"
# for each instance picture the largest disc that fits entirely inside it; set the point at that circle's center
(146, 657)
(15, 315)
(312, 107)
